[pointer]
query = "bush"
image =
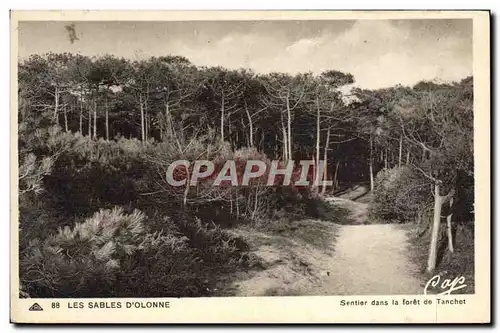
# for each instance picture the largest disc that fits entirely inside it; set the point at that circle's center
(114, 254)
(160, 250)
(88, 175)
(400, 194)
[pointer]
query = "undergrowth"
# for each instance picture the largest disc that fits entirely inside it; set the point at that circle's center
(449, 265)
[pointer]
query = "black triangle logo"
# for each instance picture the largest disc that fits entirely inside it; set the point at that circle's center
(35, 307)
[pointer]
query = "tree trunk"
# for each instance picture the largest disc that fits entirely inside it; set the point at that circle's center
(400, 150)
(285, 141)
(186, 190)
(242, 135)
(90, 122)
(372, 184)
(449, 229)
(143, 134)
(81, 118)
(318, 137)
(407, 157)
(255, 203)
(335, 185)
(65, 119)
(95, 120)
(431, 262)
(237, 195)
(222, 118)
(386, 157)
(250, 123)
(146, 122)
(229, 132)
(289, 122)
(56, 107)
(285, 145)
(276, 149)
(325, 157)
(107, 120)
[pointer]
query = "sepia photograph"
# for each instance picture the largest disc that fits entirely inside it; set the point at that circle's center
(257, 157)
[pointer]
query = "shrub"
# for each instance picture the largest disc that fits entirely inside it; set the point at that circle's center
(399, 194)
(83, 261)
(114, 254)
(91, 175)
(120, 252)
(31, 173)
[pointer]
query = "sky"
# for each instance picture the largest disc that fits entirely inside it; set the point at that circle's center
(379, 53)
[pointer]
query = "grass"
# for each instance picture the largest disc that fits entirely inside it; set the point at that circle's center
(280, 291)
(288, 249)
(310, 232)
(322, 210)
(449, 265)
(314, 227)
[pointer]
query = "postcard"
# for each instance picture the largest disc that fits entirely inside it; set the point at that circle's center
(250, 167)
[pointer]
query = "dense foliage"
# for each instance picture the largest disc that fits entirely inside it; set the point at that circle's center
(96, 136)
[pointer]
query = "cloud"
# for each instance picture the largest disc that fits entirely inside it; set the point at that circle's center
(379, 53)
(304, 46)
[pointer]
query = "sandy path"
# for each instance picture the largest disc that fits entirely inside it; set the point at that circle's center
(366, 260)
(371, 260)
(358, 211)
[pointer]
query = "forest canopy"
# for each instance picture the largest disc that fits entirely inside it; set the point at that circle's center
(96, 136)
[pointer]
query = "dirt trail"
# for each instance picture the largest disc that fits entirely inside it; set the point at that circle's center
(356, 201)
(371, 259)
(366, 260)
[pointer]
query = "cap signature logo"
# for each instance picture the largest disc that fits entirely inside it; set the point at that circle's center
(447, 285)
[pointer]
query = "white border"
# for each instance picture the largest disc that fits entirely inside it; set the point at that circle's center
(214, 5)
